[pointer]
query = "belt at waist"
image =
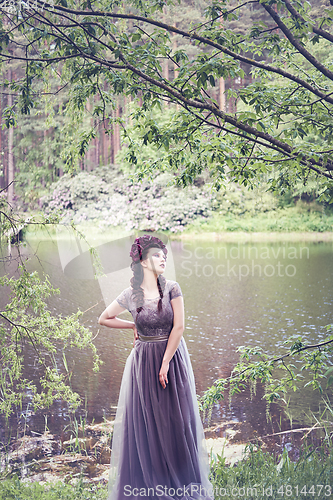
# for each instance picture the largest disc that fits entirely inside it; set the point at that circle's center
(153, 338)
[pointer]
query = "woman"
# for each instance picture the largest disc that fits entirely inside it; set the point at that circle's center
(158, 442)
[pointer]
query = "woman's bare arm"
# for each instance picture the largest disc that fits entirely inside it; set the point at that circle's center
(109, 317)
(174, 338)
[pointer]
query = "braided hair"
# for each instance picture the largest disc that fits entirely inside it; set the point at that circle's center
(144, 245)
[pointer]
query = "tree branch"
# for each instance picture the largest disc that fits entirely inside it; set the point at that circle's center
(195, 36)
(281, 358)
(301, 49)
(296, 15)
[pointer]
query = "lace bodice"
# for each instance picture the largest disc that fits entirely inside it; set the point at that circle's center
(149, 321)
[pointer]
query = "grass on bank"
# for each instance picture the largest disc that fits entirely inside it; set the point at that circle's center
(14, 489)
(280, 220)
(262, 476)
(281, 223)
(258, 477)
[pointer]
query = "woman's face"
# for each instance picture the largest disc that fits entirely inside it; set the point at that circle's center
(155, 260)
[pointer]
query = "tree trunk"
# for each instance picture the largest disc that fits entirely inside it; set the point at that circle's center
(2, 166)
(175, 67)
(165, 68)
(116, 132)
(10, 167)
(97, 147)
(90, 152)
(222, 94)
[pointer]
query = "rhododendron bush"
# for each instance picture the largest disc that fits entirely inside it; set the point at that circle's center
(92, 197)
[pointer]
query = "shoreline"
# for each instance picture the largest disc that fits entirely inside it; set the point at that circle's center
(242, 236)
(47, 458)
(89, 231)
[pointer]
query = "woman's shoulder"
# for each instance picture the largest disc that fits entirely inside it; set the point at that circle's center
(127, 291)
(170, 283)
(124, 297)
(173, 288)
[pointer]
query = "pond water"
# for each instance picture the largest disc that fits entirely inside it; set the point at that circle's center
(235, 294)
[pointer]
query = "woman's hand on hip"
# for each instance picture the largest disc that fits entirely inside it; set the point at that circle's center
(163, 375)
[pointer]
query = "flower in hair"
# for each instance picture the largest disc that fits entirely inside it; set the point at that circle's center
(143, 242)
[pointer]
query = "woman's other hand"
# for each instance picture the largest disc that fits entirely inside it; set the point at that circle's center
(163, 375)
(136, 335)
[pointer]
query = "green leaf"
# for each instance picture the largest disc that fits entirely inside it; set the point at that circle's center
(136, 37)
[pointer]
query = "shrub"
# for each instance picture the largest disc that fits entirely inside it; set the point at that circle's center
(145, 206)
(108, 198)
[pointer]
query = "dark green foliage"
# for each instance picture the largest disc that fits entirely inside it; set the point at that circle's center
(280, 220)
(302, 365)
(26, 320)
(261, 475)
(274, 58)
(14, 489)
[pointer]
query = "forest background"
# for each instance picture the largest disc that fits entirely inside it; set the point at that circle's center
(83, 122)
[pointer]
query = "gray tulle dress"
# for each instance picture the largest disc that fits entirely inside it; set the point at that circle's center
(158, 448)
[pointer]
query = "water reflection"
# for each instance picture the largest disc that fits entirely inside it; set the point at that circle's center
(235, 294)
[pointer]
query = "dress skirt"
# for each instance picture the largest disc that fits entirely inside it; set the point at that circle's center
(158, 449)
